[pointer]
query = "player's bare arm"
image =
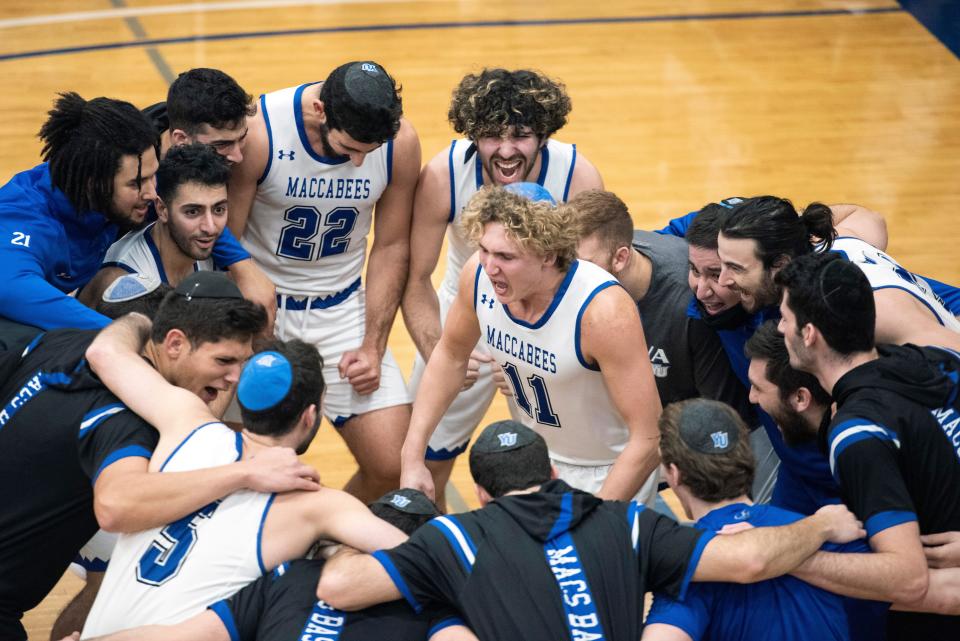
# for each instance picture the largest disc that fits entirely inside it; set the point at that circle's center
(901, 318)
(767, 552)
(585, 176)
(242, 188)
(896, 570)
(352, 581)
(297, 519)
(92, 292)
(442, 379)
(205, 626)
(431, 211)
(663, 632)
(387, 265)
(256, 286)
(612, 336)
(942, 597)
(860, 222)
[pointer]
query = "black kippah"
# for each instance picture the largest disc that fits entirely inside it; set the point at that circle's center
(409, 501)
(368, 84)
(205, 284)
(504, 436)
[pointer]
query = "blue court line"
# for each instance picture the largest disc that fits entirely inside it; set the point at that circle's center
(453, 25)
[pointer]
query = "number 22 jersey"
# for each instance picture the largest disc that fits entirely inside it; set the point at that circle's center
(309, 222)
(564, 398)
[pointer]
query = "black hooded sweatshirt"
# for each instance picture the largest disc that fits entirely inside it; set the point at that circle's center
(550, 565)
(894, 448)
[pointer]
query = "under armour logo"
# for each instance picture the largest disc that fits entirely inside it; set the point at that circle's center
(369, 67)
(285, 154)
(507, 439)
(742, 515)
(400, 501)
(720, 440)
(488, 301)
(267, 360)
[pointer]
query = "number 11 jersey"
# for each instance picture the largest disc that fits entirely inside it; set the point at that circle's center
(309, 222)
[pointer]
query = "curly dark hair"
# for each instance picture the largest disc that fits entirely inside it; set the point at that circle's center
(204, 96)
(363, 100)
(496, 100)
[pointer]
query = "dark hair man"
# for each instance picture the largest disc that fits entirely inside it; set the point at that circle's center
(540, 561)
(191, 215)
(282, 605)
(687, 357)
(84, 455)
(507, 119)
(319, 158)
(889, 442)
(229, 543)
(707, 461)
(763, 234)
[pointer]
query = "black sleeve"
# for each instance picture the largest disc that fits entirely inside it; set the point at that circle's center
(441, 617)
(241, 612)
(712, 372)
(110, 434)
(669, 552)
(157, 113)
(425, 568)
(864, 458)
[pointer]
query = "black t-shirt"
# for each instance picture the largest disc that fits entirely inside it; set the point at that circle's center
(894, 448)
(283, 606)
(59, 428)
(546, 565)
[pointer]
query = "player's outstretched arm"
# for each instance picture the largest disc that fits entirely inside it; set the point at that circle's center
(242, 188)
(205, 626)
(257, 287)
(442, 379)
(860, 222)
(352, 581)
(901, 319)
(388, 264)
(895, 571)
(942, 597)
(611, 336)
(431, 211)
(764, 553)
(585, 176)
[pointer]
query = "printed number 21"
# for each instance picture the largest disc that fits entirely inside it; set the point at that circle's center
(296, 239)
(544, 410)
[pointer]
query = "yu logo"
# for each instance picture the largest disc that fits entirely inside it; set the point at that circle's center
(720, 440)
(286, 154)
(400, 501)
(507, 439)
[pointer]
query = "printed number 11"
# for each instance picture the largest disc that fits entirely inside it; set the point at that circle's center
(544, 410)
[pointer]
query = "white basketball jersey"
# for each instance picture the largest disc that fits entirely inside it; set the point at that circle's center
(563, 398)
(168, 574)
(557, 161)
(309, 222)
(138, 254)
(884, 272)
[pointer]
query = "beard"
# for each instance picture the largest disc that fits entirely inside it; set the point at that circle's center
(325, 142)
(304, 445)
(182, 241)
(795, 428)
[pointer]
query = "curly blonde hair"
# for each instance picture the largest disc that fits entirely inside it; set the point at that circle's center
(494, 101)
(538, 227)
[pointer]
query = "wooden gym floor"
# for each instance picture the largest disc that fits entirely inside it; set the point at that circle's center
(677, 104)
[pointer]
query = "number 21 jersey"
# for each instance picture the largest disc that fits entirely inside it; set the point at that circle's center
(309, 222)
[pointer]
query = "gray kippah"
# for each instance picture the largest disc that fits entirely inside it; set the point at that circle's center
(204, 284)
(709, 427)
(368, 84)
(504, 436)
(409, 501)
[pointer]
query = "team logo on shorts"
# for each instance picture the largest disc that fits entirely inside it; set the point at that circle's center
(507, 439)
(720, 440)
(400, 501)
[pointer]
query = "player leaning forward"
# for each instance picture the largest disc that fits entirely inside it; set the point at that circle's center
(568, 339)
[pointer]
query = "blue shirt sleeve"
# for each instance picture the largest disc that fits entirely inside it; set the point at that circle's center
(692, 615)
(228, 250)
(678, 226)
(949, 294)
(26, 296)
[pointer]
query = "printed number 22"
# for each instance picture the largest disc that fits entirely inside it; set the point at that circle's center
(296, 239)
(167, 553)
(544, 410)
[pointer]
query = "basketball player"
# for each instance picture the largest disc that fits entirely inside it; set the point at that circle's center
(568, 339)
(318, 158)
(83, 456)
(192, 213)
(167, 574)
(541, 561)
(507, 120)
(764, 233)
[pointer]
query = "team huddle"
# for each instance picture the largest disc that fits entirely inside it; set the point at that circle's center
(188, 290)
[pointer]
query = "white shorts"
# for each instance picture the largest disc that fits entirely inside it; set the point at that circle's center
(95, 554)
(334, 330)
(453, 433)
(590, 478)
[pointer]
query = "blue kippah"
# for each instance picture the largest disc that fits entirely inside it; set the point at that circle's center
(265, 381)
(531, 191)
(129, 287)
